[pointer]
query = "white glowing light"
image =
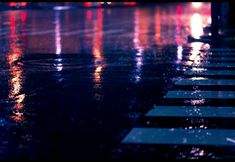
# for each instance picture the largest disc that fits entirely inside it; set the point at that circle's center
(61, 7)
(57, 34)
(196, 25)
(179, 52)
(196, 4)
(209, 20)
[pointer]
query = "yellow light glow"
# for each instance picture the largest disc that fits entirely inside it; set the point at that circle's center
(97, 72)
(97, 49)
(17, 117)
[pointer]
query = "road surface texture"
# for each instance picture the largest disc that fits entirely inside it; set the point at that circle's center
(114, 83)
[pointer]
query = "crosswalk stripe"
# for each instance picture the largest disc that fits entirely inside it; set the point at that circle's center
(225, 65)
(222, 49)
(219, 82)
(222, 54)
(210, 72)
(189, 135)
(221, 59)
(192, 111)
(201, 94)
(216, 137)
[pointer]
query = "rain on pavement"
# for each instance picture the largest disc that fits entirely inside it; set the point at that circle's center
(76, 83)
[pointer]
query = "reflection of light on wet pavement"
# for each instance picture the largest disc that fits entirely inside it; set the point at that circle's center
(198, 69)
(97, 49)
(98, 81)
(196, 25)
(157, 21)
(19, 102)
(196, 152)
(97, 72)
(57, 33)
(59, 67)
(98, 69)
(17, 116)
(178, 35)
(140, 41)
(98, 45)
(195, 54)
(88, 15)
(88, 29)
(98, 36)
(136, 41)
(179, 53)
(197, 102)
(58, 62)
(16, 79)
(197, 22)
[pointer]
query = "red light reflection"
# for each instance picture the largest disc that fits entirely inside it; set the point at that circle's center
(87, 4)
(158, 39)
(23, 17)
(88, 15)
(178, 25)
(130, 3)
(98, 45)
(16, 78)
(12, 4)
(98, 54)
(23, 3)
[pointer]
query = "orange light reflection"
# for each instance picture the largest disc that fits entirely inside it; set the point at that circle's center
(97, 51)
(16, 78)
(158, 39)
(141, 29)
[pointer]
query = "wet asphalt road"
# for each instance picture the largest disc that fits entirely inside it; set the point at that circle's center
(74, 82)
